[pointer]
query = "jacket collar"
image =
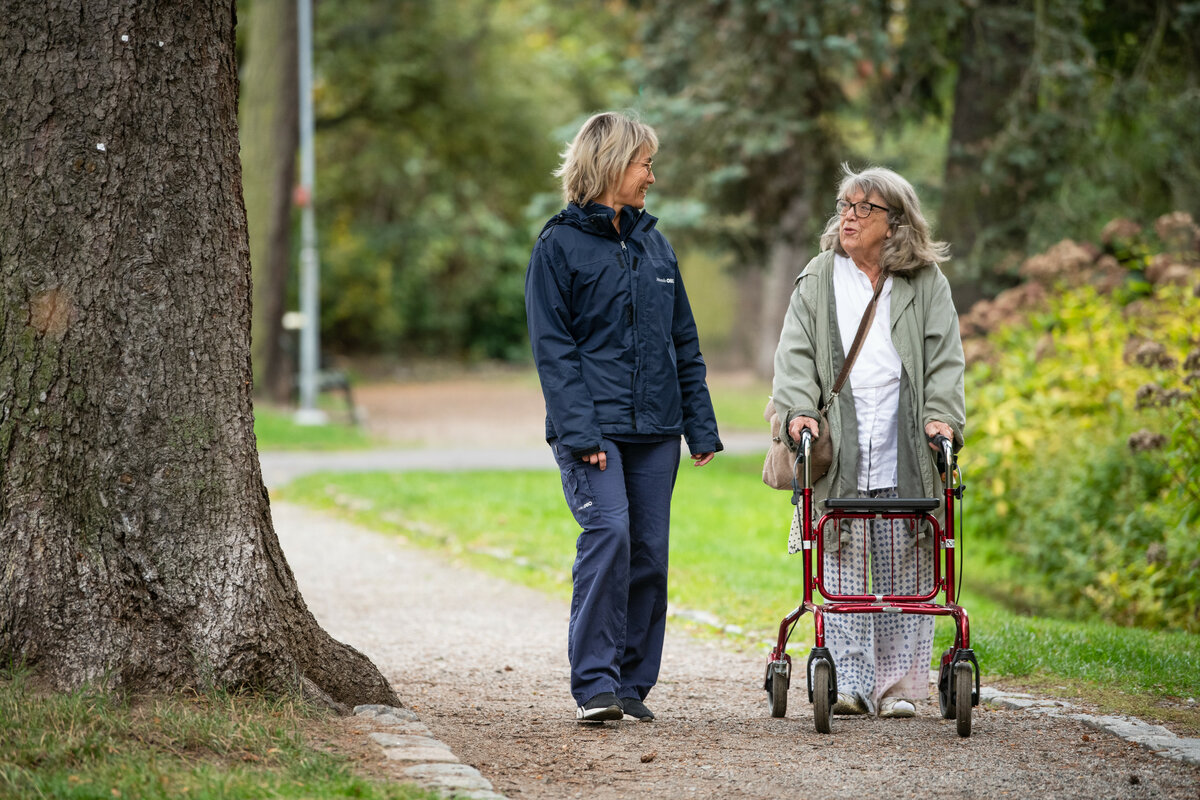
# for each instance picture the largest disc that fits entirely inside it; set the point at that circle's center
(902, 290)
(597, 218)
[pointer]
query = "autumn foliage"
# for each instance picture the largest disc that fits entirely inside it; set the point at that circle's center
(1084, 400)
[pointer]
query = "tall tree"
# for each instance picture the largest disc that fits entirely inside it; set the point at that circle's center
(1020, 116)
(747, 93)
(270, 136)
(1062, 114)
(995, 50)
(435, 129)
(136, 532)
(1139, 157)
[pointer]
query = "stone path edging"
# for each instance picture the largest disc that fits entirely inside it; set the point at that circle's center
(404, 738)
(1155, 738)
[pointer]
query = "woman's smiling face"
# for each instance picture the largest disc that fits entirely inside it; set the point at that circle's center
(635, 182)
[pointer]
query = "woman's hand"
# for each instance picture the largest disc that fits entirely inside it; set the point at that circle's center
(700, 459)
(599, 459)
(798, 424)
(935, 428)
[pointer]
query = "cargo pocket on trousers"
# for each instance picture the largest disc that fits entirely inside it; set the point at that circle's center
(577, 489)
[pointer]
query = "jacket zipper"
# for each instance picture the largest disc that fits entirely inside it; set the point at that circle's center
(637, 355)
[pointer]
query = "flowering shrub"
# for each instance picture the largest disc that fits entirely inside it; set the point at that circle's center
(1179, 403)
(1084, 443)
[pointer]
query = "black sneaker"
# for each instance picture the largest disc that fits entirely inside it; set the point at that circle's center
(637, 709)
(604, 706)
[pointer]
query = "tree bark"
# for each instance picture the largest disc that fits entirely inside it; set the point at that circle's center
(270, 136)
(788, 253)
(136, 531)
(996, 49)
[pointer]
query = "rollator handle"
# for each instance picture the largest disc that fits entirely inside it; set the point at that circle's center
(945, 457)
(802, 455)
(944, 451)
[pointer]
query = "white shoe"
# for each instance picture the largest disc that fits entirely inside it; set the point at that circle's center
(601, 708)
(893, 707)
(849, 704)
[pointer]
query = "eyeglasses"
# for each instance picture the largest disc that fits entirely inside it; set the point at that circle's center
(648, 165)
(862, 209)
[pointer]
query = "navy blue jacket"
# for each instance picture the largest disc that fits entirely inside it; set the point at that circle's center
(613, 335)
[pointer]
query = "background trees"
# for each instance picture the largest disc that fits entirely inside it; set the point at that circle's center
(440, 124)
(748, 94)
(435, 137)
(1063, 114)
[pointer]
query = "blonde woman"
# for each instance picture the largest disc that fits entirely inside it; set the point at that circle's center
(619, 361)
(905, 386)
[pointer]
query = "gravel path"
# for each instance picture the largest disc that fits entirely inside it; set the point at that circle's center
(483, 663)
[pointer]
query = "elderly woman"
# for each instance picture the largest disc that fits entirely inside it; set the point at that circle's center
(619, 361)
(905, 386)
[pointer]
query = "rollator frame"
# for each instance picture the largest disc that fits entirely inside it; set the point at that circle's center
(958, 675)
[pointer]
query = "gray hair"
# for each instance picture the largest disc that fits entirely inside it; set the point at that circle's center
(911, 244)
(595, 161)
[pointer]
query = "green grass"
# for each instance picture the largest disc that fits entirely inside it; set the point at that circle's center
(92, 744)
(728, 558)
(275, 430)
(739, 401)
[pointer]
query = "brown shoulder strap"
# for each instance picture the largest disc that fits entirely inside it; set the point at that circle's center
(863, 326)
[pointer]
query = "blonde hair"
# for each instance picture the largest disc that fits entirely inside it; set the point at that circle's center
(595, 161)
(911, 245)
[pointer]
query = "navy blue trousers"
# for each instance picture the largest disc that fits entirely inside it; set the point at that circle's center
(619, 596)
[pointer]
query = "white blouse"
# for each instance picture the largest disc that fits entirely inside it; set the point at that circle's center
(875, 376)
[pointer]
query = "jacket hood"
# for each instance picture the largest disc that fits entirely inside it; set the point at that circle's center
(906, 270)
(910, 270)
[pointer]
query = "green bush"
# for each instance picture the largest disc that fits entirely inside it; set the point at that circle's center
(1084, 447)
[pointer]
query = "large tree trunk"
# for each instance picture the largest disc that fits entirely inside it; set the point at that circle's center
(787, 255)
(136, 534)
(996, 49)
(270, 135)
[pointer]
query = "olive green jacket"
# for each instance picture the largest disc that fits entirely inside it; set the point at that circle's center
(925, 332)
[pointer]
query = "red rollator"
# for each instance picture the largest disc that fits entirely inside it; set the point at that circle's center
(958, 676)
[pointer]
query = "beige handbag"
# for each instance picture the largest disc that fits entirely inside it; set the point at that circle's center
(780, 465)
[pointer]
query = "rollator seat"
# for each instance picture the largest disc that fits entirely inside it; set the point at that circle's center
(880, 505)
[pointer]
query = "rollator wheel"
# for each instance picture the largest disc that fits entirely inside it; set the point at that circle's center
(822, 709)
(964, 683)
(946, 694)
(777, 694)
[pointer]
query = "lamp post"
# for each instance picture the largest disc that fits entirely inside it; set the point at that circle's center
(310, 276)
